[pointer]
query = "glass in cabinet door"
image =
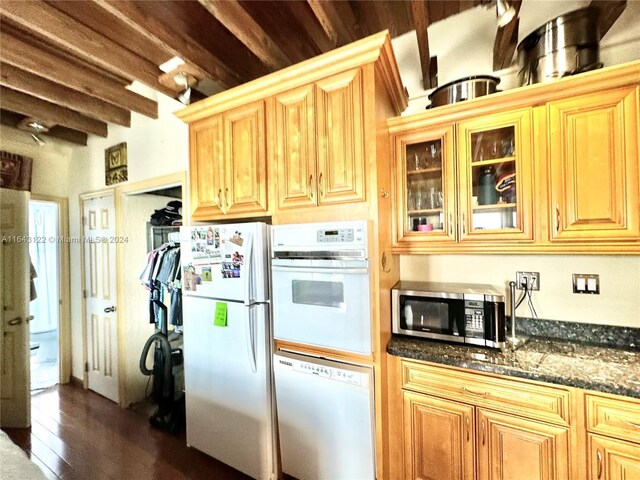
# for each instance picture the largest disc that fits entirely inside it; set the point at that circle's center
(498, 172)
(424, 200)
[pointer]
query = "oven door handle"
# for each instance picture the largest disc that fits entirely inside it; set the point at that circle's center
(328, 271)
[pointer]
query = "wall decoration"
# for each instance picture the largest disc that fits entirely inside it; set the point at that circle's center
(15, 171)
(115, 164)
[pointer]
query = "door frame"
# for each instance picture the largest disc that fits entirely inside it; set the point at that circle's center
(143, 186)
(64, 283)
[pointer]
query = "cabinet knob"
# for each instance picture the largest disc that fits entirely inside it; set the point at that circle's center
(383, 262)
(483, 433)
(226, 197)
(468, 423)
(219, 200)
(384, 193)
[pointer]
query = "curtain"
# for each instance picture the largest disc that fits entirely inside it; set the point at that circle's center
(43, 225)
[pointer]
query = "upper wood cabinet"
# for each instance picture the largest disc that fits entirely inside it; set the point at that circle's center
(475, 189)
(228, 164)
(319, 142)
(593, 158)
(547, 168)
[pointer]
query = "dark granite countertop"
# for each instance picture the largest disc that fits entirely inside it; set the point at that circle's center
(562, 362)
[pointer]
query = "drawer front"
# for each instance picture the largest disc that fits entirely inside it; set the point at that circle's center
(550, 404)
(613, 417)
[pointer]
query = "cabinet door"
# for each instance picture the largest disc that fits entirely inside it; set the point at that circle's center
(593, 155)
(611, 459)
(296, 148)
(438, 438)
(425, 189)
(245, 189)
(495, 160)
(206, 168)
(512, 448)
(341, 161)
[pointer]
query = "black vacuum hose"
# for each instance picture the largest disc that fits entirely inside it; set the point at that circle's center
(165, 346)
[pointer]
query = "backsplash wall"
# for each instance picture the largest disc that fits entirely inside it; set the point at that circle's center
(617, 304)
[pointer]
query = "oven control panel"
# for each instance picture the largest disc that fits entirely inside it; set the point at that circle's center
(337, 235)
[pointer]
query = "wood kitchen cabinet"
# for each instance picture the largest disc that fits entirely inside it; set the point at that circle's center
(547, 168)
(593, 175)
(319, 142)
(476, 189)
(459, 425)
(228, 164)
(613, 445)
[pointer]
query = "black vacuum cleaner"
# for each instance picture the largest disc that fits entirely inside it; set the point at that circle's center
(167, 372)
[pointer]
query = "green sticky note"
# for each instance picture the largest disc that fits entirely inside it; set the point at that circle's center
(220, 319)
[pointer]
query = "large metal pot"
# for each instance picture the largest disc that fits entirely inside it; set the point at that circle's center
(463, 89)
(566, 45)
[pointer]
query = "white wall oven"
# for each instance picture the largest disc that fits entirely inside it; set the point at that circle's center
(321, 289)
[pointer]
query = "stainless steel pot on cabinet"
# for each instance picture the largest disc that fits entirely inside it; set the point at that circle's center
(566, 45)
(463, 89)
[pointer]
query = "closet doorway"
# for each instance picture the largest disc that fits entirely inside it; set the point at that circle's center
(49, 306)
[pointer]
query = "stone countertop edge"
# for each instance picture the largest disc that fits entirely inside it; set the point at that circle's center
(431, 351)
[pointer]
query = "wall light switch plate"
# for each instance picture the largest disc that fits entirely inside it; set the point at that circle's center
(586, 283)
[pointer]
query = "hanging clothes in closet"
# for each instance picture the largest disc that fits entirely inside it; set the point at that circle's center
(161, 275)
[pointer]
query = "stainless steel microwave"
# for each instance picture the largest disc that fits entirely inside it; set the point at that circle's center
(454, 312)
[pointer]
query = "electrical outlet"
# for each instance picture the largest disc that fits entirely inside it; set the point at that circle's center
(531, 279)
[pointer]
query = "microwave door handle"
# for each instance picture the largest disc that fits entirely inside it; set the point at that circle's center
(320, 270)
(250, 334)
(248, 260)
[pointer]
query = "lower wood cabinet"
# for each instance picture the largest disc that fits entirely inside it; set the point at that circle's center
(612, 459)
(513, 448)
(447, 440)
(460, 424)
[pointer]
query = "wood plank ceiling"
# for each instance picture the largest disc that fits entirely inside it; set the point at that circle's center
(66, 64)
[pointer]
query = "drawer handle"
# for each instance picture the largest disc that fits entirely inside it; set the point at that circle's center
(464, 224)
(311, 185)
(450, 224)
(599, 455)
(321, 185)
(471, 392)
(557, 219)
(220, 201)
(468, 427)
(631, 424)
(483, 433)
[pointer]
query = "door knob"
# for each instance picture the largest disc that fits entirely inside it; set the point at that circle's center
(30, 317)
(110, 309)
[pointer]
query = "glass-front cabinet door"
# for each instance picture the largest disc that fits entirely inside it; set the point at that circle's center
(425, 185)
(495, 168)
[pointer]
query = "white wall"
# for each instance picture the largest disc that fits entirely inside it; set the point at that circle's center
(154, 148)
(464, 44)
(50, 168)
(617, 304)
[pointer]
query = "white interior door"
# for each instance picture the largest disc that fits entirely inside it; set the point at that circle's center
(100, 296)
(15, 400)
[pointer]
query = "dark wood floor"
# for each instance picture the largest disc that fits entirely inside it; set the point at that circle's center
(79, 435)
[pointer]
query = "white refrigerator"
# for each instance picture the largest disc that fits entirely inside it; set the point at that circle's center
(227, 345)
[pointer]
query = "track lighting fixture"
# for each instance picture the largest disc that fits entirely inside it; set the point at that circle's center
(505, 12)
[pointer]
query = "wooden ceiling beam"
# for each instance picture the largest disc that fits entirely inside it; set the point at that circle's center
(609, 12)
(26, 56)
(11, 119)
(236, 19)
(26, 82)
(317, 34)
(421, 21)
(49, 113)
(45, 20)
(506, 40)
(172, 40)
(332, 22)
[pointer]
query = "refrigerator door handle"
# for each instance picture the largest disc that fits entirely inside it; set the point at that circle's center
(248, 268)
(251, 339)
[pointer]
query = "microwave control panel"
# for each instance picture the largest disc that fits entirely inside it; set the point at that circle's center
(474, 318)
